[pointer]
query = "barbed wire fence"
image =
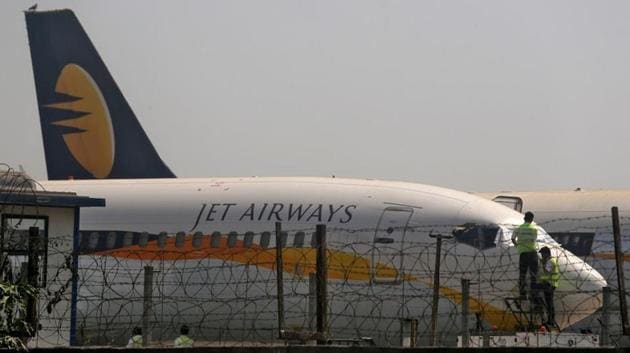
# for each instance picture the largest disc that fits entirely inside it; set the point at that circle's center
(223, 285)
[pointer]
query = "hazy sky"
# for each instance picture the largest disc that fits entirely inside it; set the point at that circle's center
(472, 95)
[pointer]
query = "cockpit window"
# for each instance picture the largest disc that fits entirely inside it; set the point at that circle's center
(505, 236)
(579, 243)
(480, 237)
(544, 237)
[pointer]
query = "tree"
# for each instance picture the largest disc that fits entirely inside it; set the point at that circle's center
(15, 328)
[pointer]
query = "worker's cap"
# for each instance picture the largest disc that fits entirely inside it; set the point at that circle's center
(544, 250)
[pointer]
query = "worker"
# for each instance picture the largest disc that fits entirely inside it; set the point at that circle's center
(524, 238)
(183, 340)
(549, 278)
(136, 339)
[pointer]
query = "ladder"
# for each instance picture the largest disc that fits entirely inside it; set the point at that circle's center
(528, 312)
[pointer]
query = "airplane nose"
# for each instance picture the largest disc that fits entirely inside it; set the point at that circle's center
(579, 292)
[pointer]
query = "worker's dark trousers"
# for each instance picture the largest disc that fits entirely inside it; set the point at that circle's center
(548, 291)
(527, 262)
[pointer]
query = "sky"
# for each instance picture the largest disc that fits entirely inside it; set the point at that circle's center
(472, 95)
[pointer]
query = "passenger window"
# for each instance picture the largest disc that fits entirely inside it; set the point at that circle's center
(161, 240)
(298, 242)
(196, 241)
(215, 240)
(264, 240)
(248, 240)
(283, 239)
(111, 240)
(180, 237)
(128, 239)
(85, 241)
(93, 243)
(144, 239)
(480, 237)
(232, 239)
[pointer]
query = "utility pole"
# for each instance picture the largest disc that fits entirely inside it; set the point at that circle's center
(623, 307)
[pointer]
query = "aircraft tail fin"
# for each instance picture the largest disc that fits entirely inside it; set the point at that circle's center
(89, 129)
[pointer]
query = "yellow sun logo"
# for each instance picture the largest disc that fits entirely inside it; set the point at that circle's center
(92, 145)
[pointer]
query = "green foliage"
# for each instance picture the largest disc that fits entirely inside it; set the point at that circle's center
(14, 328)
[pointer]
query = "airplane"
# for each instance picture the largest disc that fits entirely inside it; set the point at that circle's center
(211, 238)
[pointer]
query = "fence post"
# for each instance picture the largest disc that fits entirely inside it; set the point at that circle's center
(433, 339)
(280, 280)
(312, 300)
(604, 333)
(621, 283)
(465, 310)
(32, 275)
(414, 332)
(147, 305)
(322, 277)
(408, 332)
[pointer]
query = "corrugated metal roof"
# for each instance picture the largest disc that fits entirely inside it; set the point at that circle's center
(49, 199)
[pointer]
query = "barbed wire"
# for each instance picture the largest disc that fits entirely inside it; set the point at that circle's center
(223, 284)
(227, 294)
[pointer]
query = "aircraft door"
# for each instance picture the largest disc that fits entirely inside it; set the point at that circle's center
(387, 248)
(513, 202)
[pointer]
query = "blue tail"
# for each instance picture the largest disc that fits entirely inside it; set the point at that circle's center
(89, 130)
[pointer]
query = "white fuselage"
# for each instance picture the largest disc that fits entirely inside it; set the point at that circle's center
(380, 269)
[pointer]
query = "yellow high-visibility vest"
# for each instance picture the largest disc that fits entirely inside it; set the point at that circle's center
(526, 235)
(550, 272)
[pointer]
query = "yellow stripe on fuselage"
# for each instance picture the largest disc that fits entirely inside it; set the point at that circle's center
(300, 262)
